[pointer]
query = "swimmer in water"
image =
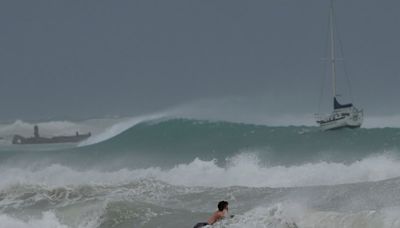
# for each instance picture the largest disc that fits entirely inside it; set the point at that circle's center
(216, 216)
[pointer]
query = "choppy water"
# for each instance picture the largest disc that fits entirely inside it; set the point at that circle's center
(159, 172)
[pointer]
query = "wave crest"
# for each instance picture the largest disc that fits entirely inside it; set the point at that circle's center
(242, 170)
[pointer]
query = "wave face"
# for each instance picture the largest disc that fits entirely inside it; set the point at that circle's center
(285, 145)
(156, 172)
(151, 141)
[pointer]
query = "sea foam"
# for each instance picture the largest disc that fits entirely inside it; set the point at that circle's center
(242, 170)
(48, 220)
(288, 215)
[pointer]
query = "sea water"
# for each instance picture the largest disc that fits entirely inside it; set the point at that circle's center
(153, 171)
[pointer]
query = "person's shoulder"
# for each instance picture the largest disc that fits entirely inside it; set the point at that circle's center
(220, 213)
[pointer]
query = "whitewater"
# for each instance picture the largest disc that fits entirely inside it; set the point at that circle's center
(162, 171)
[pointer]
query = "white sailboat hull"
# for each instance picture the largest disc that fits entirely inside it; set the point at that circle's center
(342, 118)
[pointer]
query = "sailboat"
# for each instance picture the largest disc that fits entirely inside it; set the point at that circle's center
(343, 115)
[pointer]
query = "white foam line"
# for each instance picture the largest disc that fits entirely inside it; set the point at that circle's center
(242, 170)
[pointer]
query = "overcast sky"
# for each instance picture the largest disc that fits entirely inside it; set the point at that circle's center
(80, 59)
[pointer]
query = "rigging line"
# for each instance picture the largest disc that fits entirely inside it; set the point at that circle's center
(344, 62)
(322, 87)
(346, 72)
(325, 67)
(323, 82)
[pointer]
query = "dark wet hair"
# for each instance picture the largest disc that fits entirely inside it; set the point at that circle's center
(222, 205)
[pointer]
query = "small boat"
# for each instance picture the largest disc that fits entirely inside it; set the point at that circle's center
(37, 139)
(343, 115)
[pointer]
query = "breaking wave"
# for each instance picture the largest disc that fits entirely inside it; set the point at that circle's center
(209, 174)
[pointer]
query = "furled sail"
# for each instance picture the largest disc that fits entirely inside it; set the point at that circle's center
(337, 105)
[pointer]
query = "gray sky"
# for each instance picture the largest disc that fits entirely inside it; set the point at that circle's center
(79, 59)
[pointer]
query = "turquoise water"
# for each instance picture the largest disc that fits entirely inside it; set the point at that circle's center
(172, 173)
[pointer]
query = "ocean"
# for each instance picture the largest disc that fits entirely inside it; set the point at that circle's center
(153, 171)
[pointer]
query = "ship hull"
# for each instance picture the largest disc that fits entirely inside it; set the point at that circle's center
(346, 118)
(41, 140)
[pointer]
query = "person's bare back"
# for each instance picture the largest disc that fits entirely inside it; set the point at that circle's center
(216, 216)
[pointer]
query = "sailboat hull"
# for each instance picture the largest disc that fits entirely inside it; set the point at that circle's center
(346, 118)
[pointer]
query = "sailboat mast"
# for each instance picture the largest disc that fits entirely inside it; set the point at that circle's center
(333, 60)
